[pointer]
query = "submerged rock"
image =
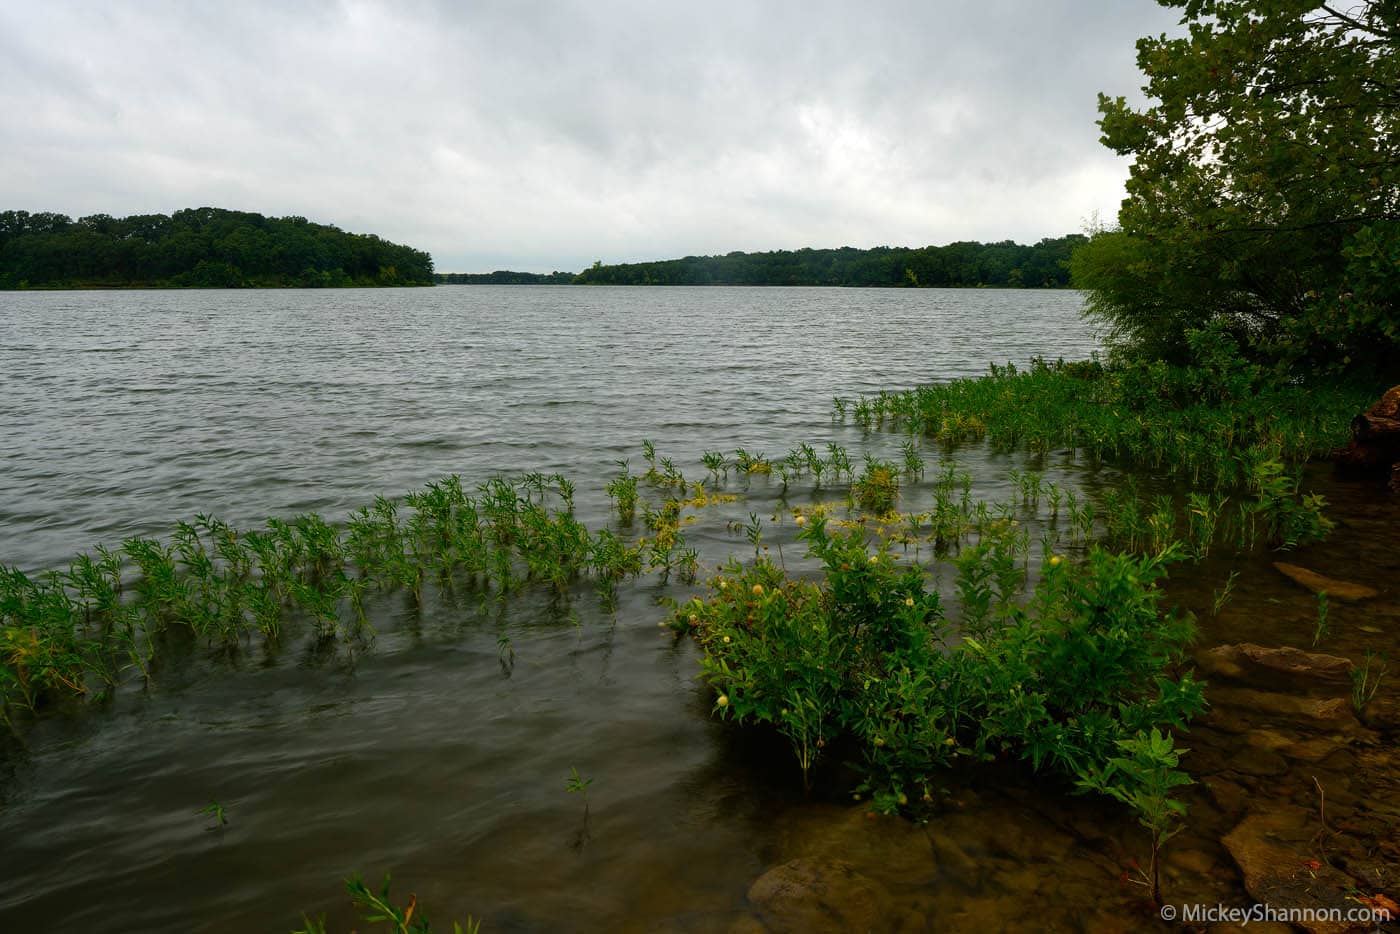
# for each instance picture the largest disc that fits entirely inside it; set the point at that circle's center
(1336, 711)
(819, 895)
(1344, 591)
(1382, 713)
(896, 851)
(1280, 869)
(1241, 661)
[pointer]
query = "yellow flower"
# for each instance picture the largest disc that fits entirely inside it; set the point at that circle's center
(908, 601)
(723, 701)
(758, 590)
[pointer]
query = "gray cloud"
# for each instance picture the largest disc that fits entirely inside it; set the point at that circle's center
(542, 135)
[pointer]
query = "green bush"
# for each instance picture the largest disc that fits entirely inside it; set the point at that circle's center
(868, 656)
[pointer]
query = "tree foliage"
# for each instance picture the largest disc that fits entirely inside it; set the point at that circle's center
(1265, 191)
(1007, 264)
(504, 277)
(199, 247)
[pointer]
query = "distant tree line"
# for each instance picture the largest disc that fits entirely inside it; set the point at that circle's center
(200, 248)
(504, 277)
(1005, 264)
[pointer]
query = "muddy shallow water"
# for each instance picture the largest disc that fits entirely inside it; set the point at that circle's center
(436, 758)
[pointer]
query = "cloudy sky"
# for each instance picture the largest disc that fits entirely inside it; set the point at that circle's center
(545, 135)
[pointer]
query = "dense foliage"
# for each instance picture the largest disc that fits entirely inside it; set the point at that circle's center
(1005, 264)
(504, 277)
(867, 658)
(1205, 425)
(1265, 188)
(199, 247)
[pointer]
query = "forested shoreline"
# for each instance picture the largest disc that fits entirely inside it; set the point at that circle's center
(197, 248)
(957, 265)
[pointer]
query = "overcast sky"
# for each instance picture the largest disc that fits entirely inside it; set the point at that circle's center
(545, 135)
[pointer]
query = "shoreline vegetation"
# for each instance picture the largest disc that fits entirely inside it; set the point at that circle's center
(1043, 265)
(208, 248)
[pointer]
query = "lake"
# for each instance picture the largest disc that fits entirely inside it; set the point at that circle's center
(427, 755)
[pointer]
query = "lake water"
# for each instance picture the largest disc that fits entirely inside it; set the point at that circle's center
(122, 412)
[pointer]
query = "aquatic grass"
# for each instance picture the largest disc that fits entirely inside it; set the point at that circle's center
(716, 463)
(1203, 512)
(1222, 596)
(877, 487)
(380, 908)
(840, 461)
(110, 611)
(913, 462)
(1366, 679)
(622, 490)
(1202, 430)
(1320, 625)
(748, 463)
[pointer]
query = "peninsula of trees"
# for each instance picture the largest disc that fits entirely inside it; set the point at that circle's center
(1005, 265)
(197, 248)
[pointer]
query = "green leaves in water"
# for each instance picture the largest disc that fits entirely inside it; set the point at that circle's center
(109, 614)
(379, 907)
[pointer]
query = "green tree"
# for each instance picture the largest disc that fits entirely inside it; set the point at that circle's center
(1265, 189)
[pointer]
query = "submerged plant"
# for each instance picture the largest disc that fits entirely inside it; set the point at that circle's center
(1222, 596)
(622, 490)
(216, 810)
(1366, 680)
(913, 463)
(379, 908)
(1320, 628)
(576, 783)
(877, 488)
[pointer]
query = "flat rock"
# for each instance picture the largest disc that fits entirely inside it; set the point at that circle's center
(1303, 749)
(819, 895)
(1345, 591)
(1295, 662)
(893, 850)
(954, 865)
(1252, 760)
(1336, 711)
(1245, 660)
(1274, 857)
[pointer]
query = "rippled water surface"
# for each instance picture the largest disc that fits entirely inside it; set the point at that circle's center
(124, 411)
(121, 413)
